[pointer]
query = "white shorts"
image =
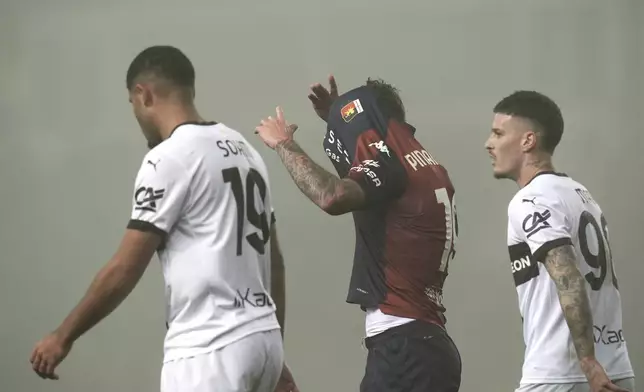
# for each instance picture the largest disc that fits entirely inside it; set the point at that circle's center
(627, 383)
(252, 364)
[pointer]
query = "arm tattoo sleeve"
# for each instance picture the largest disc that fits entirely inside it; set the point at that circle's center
(332, 194)
(571, 287)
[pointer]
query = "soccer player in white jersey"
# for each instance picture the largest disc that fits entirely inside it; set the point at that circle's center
(560, 258)
(202, 201)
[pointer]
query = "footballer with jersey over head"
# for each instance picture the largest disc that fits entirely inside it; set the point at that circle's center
(403, 206)
(560, 258)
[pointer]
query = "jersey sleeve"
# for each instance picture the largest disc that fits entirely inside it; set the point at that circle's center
(540, 222)
(361, 129)
(159, 194)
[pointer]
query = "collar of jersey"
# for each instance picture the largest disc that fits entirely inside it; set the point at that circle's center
(200, 123)
(554, 173)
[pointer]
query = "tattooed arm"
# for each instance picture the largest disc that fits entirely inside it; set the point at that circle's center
(571, 288)
(374, 174)
(333, 195)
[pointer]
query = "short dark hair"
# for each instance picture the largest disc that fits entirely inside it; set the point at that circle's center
(542, 111)
(388, 99)
(164, 62)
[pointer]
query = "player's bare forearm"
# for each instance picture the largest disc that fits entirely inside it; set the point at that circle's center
(109, 288)
(112, 284)
(571, 288)
(334, 195)
(278, 280)
(278, 292)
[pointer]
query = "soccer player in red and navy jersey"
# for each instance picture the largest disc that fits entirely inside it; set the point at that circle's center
(402, 201)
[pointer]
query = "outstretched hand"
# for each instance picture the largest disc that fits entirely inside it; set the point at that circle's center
(322, 99)
(275, 130)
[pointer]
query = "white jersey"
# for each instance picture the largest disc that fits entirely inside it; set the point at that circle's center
(206, 191)
(550, 211)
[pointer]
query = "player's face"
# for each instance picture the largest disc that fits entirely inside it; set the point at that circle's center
(142, 100)
(505, 146)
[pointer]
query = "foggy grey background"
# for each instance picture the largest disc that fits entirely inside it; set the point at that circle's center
(70, 148)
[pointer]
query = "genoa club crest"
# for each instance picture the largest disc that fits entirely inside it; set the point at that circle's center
(350, 110)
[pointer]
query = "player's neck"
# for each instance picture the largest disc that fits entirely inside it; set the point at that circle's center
(175, 116)
(532, 168)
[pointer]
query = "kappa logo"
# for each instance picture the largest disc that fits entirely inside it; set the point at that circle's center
(146, 198)
(435, 295)
(350, 110)
(370, 162)
(381, 146)
(365, 167)
(533, 223)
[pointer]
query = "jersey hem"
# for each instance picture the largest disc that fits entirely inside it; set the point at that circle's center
(182, 353)
(573, 379)
(434, 317)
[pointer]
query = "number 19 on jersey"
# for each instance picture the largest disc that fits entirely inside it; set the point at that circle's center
(246, 209)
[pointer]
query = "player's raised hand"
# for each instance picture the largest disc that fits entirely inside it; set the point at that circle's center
(322, 99)
(286, 382)
(275, 130)
(48, 354)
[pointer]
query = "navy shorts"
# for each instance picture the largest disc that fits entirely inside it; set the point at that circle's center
(413, 357)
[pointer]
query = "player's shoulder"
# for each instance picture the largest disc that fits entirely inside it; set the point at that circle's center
(172, 156)
(546, 189)
(159, 163)
(162, 149)
(168, 149)
(183, 141)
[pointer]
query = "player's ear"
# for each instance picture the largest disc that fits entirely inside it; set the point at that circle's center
(136, 95)
(529, 141)
(144, 94)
